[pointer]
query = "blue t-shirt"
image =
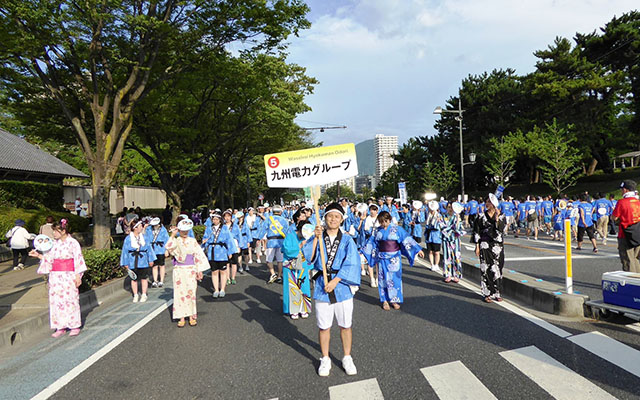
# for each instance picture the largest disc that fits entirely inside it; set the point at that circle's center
(587, 208)
(547, 207)
(602, 204)
(522, 211)
(507, 208)
(473, 207)
(529, 205)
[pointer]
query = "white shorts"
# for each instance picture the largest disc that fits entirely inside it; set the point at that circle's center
(343, 312)
(274, 252)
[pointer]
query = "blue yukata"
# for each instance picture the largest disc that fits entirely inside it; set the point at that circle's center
(219, 243)
(346, 266)
(296, 289)
(158, 240)
(385, 249)
(135, 254)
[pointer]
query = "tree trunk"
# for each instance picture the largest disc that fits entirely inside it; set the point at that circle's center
(101, 216)
(592, 167)
(175, 202)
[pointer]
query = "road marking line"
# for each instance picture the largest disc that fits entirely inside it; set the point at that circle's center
(522, 313)
(453, 381)
(615, 352)
(534, 248)
(558, 257)
(555, 378)
(69, 376)
(367, 389)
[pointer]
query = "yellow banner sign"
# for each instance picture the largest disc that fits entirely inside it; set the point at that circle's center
(309, 167)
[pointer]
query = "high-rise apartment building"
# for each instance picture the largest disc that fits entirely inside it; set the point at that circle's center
(385, 147)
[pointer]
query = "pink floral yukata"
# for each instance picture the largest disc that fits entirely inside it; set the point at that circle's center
(188, 260)
(62, 263)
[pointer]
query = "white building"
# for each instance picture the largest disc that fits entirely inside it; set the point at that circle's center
(385, 147)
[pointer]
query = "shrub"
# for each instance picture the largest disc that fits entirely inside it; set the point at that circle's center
(102, 266)
(31, 195)
(36, 218)
(198, 232)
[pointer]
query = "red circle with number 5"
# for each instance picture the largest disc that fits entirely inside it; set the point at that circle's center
(273, 162)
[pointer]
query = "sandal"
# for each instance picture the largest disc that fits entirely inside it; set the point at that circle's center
(447, 279)
(182, 323)
(193, 322)
(487, 300)
(456, 280)
(385, 306)
(395, 306)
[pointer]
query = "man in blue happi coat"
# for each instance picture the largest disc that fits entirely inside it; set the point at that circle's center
(336, 298)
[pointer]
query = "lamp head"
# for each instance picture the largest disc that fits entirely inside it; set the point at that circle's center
(438, 110)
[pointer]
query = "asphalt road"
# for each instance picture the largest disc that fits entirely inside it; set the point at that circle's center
(243, 348)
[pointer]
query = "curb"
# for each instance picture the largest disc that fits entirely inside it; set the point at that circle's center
(541, 295)
(88, 300)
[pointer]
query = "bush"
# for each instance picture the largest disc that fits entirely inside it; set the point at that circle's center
(31, 195)
(198, 232)
(36, 218)
(102, 266)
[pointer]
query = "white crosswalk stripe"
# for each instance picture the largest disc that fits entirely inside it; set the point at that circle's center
(611, 350)
(367, 389)
(454, 381)
(558, 380)
(464, 386)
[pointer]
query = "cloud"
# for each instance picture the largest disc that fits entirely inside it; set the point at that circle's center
(383, 65)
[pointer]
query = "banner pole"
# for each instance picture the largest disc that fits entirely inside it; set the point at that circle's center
(315, 196)
(567, 256)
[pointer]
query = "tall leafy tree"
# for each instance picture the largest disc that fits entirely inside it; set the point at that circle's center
(230, 110)
(501, 160)
(561, 169)
(97, 59)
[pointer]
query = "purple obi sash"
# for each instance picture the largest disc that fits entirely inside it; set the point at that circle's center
(188, 260)
(388, 246)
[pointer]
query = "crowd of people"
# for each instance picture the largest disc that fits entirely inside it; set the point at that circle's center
(331, 248)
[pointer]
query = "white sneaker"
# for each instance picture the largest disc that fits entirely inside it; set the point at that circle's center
(135, 298)
(349, 366)
(325, 366)
(143, 298)
(435, 268)
(375, 283)
(362, 273)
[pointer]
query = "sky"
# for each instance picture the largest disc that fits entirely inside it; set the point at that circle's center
(384, 65)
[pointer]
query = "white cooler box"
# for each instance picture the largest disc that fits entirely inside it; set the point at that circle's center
(621, 288)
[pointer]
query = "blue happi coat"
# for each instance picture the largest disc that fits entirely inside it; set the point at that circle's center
(275, 227)
(222, 248)
(346, 266)
(237, 236)
(391, 210)
(417, 217)
(432, 232)
(136, 258)
(245, 236)
(390, 262)
(157, 239)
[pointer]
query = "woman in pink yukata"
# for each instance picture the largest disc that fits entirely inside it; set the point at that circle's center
(65, 265)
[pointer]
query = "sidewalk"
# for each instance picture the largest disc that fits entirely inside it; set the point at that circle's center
(24, 302)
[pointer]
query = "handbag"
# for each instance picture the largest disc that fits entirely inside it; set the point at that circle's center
(632, 234)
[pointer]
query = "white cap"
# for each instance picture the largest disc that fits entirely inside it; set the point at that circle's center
(154, 221)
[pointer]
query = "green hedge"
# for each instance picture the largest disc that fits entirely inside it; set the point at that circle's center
(102, 266)
(198, 232)
(36, 218)
(31, 195)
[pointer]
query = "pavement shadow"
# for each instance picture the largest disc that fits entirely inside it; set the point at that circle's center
(277, 325)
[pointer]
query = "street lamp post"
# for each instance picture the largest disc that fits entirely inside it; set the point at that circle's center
(472, 156)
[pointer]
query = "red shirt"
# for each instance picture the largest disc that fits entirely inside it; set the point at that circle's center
(628, 210)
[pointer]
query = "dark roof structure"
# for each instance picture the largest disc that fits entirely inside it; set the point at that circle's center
(20, 160)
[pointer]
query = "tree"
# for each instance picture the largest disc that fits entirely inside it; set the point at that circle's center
(388, 185)
(332, 193)
(501, 160)
(561, 169)
(96, 60)
(441, 177)
(231, 109)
